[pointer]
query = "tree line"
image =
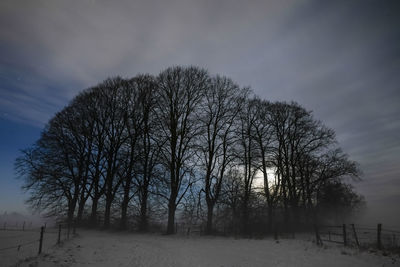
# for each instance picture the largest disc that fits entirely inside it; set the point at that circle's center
(189, 145)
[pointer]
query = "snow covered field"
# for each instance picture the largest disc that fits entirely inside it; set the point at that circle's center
(17, 245)
(99, 248)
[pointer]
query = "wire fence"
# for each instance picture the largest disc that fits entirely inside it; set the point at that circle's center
(19, 244)
(359, 236)
(349, 235)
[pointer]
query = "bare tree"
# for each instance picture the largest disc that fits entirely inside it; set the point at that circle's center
(143, 151)
(146, 142)
(247, 158)
(57, 167)
(300, 145)
(149, 153)
(132, 93)
(222, 103)
(179, 94)
(49, 190)
(264, 137)
(113, 111)
(97, 163)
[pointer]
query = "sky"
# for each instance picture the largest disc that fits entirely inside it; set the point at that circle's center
(340, 59)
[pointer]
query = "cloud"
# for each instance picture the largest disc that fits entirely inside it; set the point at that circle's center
(339, 59)
(58, 48)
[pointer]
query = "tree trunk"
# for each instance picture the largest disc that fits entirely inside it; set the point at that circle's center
(270, 218)
(107, 212)
(143, 225)
(81, 208)
(125, 204)
(245, 217)
(93, 215)
(124, 209)
(209, 227)
(71, 210)
(171, 216)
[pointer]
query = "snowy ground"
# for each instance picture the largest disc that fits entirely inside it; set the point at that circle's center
(17, 245)
(94, 248)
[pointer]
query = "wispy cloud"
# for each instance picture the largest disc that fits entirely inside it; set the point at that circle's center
(340, 59)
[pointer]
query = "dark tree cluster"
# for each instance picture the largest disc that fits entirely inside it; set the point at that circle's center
(186, 145)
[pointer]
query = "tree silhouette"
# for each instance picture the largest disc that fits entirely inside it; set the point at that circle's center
(135, 149)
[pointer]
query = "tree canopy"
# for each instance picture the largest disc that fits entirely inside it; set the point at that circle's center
(186, 145)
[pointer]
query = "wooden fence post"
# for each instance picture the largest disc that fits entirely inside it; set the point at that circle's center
(379, 230)
(41, 239)
(317, 236)
(344, 235)
(59, 234)
(355, 235)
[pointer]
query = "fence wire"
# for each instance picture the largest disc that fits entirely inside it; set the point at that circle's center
(19, 244)
(360, 236)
